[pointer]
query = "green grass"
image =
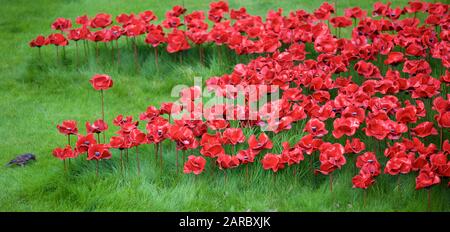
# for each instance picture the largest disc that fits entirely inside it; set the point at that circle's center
(37, 94)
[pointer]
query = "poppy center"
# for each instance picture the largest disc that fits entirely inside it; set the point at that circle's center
(97, 154)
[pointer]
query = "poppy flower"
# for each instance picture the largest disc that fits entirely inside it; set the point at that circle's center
(151, 113)
(406, 115)
(119, 142)
(368, 161)
(120, 120)
(246, 156)
(176, 11)
(272, 161)
(367, 69)
(347, 126)
(98, 152)
(309, 143)
(424, 129)
(97, 127)
(376, 128)
(147, 16)
(233, 136)
(440, 164)
(84, 142)
(155, 36)
(64, 153)
(427, 178)
(354, 146)
(39, 41)
(176, 41)
(341, 21)
(62, 24)
(218, 124)
(324, 11)
(101, 20)
(82, 20)
(157, 130)
(292, 155)
(331, 157)
(316, 127)
(101, 82)
(394, 58)
(401, 163)
(363, 180)
(68, 127)
(183, 136)
(57, 39)
(211, 145)
(225, 161)
(355, 12)
(260, 143)
(194, 164)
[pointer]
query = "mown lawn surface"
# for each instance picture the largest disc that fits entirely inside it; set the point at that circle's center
(37, 94)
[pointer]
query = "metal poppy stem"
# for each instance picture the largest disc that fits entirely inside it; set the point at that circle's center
(442, 134)
(65, 166)
(112, 52)
(136, 61)
(156, 58)
(177, 159)
(429, 199)
(68, 139)
(78, 61)
(138, 162)
(156, 152)
(364, 198)
(96, 52)
(331, 182)
(118, 53)
(161, 154)
(121, 161)
(128, 161)
(57, 54)
(40, 55)
(96, 168)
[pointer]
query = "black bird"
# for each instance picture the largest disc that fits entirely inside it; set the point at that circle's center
(22, 160)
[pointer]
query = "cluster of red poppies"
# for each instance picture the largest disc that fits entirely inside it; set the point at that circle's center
(319, 92)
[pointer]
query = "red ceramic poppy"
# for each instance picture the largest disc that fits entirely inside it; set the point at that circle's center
(272, 161)
(401, 163)
(394, 58)
(64, 153)
(355, 12)
(259, 144)
(354, 146)
(194, 164)
(68, 127)
(427, 178)
(291, 155)
(227, 161)
(98, 152)
(84, 142)
(233, 136)
(424, 129)
(316, 127)
(331, 157)
(176, 41)
(101, 82)
(39, 41)
(369, 163)
(101, 20)
(57, 40)
(97, 127)
(363, 180)
(347, 126)
(246, 156)
(62, 24)
(211, 145)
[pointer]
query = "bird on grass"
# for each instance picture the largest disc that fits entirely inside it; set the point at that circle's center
(22, 160)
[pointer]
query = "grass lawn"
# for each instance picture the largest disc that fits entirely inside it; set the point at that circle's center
(37, 94)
